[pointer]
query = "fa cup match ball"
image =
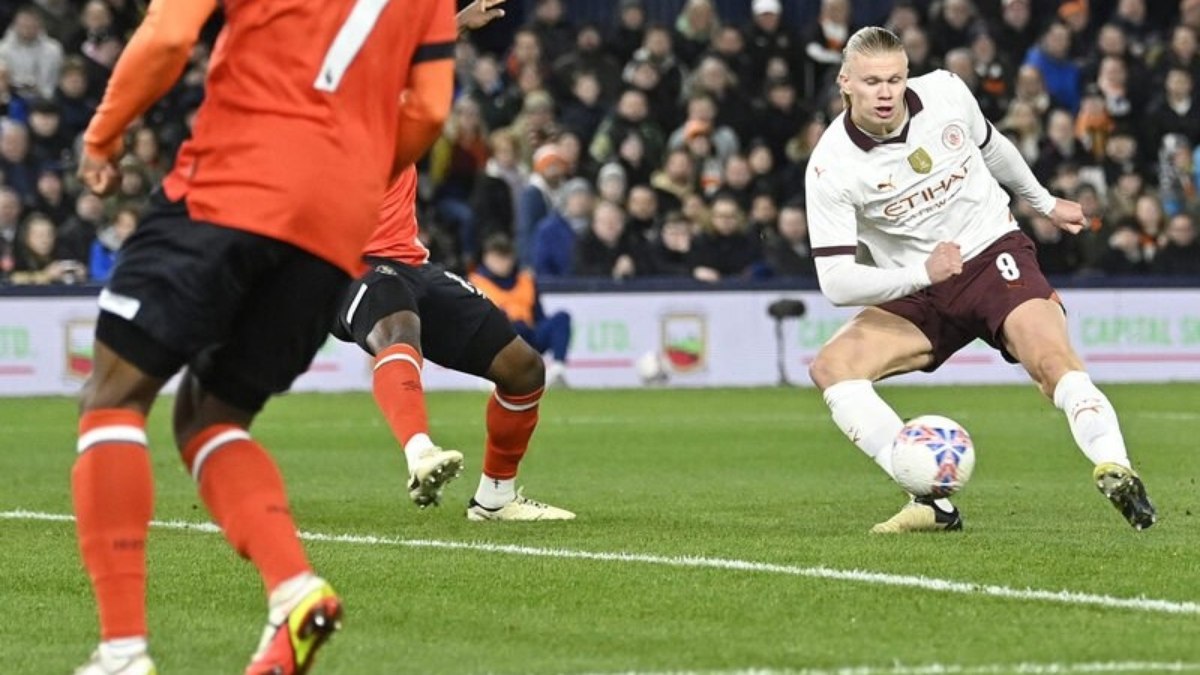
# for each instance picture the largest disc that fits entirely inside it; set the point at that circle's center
(932, 456)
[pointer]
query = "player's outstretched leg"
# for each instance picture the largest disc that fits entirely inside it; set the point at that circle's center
(512, 415)
(401, 398)
(1098, 434)
(872, 425)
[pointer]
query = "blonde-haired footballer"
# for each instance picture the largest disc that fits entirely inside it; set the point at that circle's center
(911, 172)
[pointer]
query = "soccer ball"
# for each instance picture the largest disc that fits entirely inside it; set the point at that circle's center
(932, 456)
(651, 368)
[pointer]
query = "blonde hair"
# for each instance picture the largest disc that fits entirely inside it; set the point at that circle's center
(869, 41)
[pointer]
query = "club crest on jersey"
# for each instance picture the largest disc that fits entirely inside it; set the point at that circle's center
(952, 137)
(920, 161)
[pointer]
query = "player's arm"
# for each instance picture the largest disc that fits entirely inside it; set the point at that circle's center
(833, 230)
(147, 69)
(425, 105)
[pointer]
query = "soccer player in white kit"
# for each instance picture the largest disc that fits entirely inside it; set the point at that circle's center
(908, 176)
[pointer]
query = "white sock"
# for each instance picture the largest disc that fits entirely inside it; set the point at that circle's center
(123, 648)
(1092, 418)
(494, 493)
(415, 446)
(286, 594)
(866, 419)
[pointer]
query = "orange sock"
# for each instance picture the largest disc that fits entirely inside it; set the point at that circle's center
(112, 487)
(243, 490)
(398, 391)
(510, 424)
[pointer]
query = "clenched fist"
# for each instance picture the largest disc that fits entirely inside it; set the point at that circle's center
(944, 262)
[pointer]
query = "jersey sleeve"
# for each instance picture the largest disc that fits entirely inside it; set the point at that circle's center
(832, 224)
(147, 69)
(980, 129)
(425, 105)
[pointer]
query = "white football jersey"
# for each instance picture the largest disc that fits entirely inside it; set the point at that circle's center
(901, 196)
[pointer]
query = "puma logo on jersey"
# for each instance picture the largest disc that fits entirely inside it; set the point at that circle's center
(886, 185)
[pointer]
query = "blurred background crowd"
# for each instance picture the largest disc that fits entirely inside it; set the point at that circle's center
(659, 138)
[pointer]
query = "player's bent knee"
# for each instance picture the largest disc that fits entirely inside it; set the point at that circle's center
(518, 369)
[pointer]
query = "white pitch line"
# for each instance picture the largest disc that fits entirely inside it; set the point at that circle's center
(1063, 597)
(954, 669)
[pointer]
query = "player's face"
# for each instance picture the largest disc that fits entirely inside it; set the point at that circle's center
(876, 85)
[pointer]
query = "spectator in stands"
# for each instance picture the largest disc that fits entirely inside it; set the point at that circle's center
(558, 233)
(1052, 59)
(454, 161)
(799, 149)
(19, 172)
(1057, 146)
(671, 250)
(764, 179)
(1119, 94)
(951, 28)
(555, 35)
(1120, 155)
(1151, 223)
(1127, 187)
(822, 41)
(48, 144)
(108, 243)
(1057, 252)
(1174, 111)
(12, 106)
(1131, 17)
(583, 112)
(1180, 255)
(764, 216)
(74, 101)
(630, 31)
(1181, 53)
(538, 198)
(726, 250)
(1176, 185)
(612, 183)
(498, 104)
(10, 221)
(641, 211)
(1093, 240)
(695, 28)
(1124, 255)
(631, 115)
(60, 17)
(526, 52)
(147, 150)
(779, 117)
(713, 77)
(1093, 126)
(994, 75)
(675, 181)
(588, 56)
(641, 75)
(35, 259)
(921, 59)
(787, 250)
(766, 38)
(51, 198)
(1016, 30)
(33, 57)
(1110, 41)
(702, 113)
(1031, 88)
(515, 292)
(658, 48)
(729, 45)
(76, 235)
(499, 188)
(98, 43)
(606, 249)
(1076, 16)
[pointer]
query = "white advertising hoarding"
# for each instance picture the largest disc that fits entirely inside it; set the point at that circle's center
(706, 339)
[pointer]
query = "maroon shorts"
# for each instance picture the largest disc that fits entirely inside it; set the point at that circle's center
(975, 303)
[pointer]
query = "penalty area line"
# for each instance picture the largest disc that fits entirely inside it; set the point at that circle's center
(1060, 597)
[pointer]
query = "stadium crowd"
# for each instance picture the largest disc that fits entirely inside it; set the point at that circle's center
(640, 149)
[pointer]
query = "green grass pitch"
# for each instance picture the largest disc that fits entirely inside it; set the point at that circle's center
(750, 475)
